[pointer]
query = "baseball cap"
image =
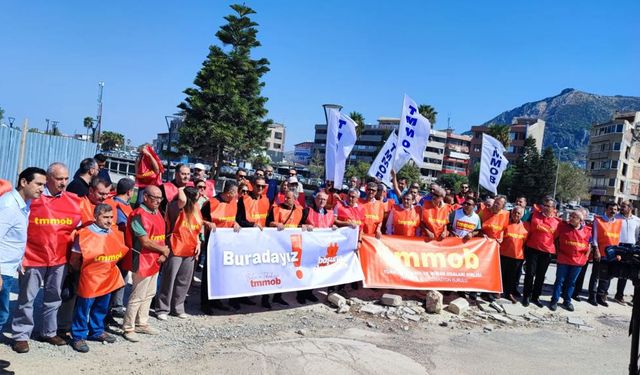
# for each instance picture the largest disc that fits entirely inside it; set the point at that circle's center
(199, 166)
(292, 180)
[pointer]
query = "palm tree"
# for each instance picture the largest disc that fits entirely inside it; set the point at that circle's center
(358, 118)
(429, 112)
(88, 124)
(501, 133)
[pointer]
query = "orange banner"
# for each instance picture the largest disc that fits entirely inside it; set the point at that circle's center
(410, 263)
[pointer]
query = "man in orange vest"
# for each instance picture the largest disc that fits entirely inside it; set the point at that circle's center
(514, 236)
(284, 215)
(169, 189)
(373, 211)
(53, 218)
(435, 216)
(145, 237)
(606, 232)
(219, 211)
(404, 220)
(97, 249)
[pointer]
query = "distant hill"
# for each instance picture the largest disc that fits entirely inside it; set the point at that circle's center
(570, 115)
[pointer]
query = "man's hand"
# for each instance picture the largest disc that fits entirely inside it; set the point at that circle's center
(596, 255)
(378, 234)
(307, 227)
(211, 226)
(430, 234)
(165, 251)
(334, 227)
(280, 226)
(0, 283)
(352, 224)
(236, 227)
(259, 227)
(162, 259)
(444, 234)
(197, 254)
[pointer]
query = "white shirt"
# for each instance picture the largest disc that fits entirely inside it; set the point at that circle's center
(14, 219)
(630, 228)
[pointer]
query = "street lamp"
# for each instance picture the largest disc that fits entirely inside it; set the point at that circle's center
(11, 120)
(555, 185)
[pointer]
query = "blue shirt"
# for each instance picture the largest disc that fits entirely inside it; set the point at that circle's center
(14, 218)
(122, 218)
(272, 189)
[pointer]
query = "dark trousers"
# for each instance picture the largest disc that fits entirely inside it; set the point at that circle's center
(510, 277)
(622, 283)
(580, 281)
(596, 285)
(88, 317)
(566, 276)
(537, 264)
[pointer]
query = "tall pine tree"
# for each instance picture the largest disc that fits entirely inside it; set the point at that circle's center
(225, 113)
(525, 172)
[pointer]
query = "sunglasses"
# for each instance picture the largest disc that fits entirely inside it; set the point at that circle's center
(242, 176)
(244, 191)
(200, 187)
(261, 186)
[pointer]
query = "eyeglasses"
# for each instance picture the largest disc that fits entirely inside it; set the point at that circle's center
(154, 197)
(261, 186)
(374, 190)
(243, 191)
(292, 174)
(547, 206)
(243, 176)
(201, 187)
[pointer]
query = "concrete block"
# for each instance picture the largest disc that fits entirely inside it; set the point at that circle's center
(433, 302)
(343, 309)
(515, 310)
(575, 321)
(337, 299)
(501, 318)
(412, 317)
(372, 309)
(458, 306)
(391, 299)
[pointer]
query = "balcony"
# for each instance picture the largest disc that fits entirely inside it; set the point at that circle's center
(458, 148)
(432, 155)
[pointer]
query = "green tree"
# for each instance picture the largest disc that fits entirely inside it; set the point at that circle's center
(88, 124)
(411, 172)
(360, 170)
(358, 118)
(260, 159)
(525, 174)
(429, 112)
(452, 181)
(501, 133)
(572, 183)
(546, 176)
(316, 165)
(224, 112)
(1, 114)
(111, 140)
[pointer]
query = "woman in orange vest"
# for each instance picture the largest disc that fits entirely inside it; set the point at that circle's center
(573, 252)
(96, 251)
(606, 232)
(435, 216)
(184, 222)
(404, 220)
(514, 236)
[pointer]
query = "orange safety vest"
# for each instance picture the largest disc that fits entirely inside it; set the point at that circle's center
(493, 224)
(256, 210)
(285, 217)
(170, 191)
(405, 222)
(373, 215)
(184, 238)
(608, 233)
(573, 244)
(99, 274)
(145, 261)
(320, 221)
(117, 205)
(49, 235)
(542, 233)
(434, 218)
(5, 186)
(346, 213)
(513, 239)
(86, 211)
(145, 175)
(223, 214)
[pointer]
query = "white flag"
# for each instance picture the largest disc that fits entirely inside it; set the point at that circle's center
(381, 167)
(492, 163)
(341, 137)
(413, 135)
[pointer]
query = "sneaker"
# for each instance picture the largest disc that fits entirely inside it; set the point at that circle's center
(146, 330)
(568, 306)
(131, 336)
(162, 316)
(104, 337)
(183, 316)
(553, 305)
(80, 346)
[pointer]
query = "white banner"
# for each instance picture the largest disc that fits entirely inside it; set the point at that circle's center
(413, 135)
(253, 262)
(381, 167)
(492, 163)
(341, 137)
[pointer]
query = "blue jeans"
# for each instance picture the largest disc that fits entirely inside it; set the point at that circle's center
(566, 277)
(5, 304)
(88, 317)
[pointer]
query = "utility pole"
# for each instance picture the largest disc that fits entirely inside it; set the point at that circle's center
(47, 120)
(96, 138)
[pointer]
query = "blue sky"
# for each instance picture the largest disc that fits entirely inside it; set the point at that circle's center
(467, 58)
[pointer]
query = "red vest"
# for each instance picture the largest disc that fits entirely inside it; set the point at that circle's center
(493, 224)
(49, 235)
(542, 233)
(144, 173)
(346, 213)
(145, 263)
(573, 244)
(170, 191)
(86, 212)
(117, 205)
(607, 233)
(373, 215)
(184, 238)
(286, 217)
(435, 218)
(514, 237)
(405, 222)
(99, 275)
(223, 214)
(5, 186)
(320, 221)
(256, 210)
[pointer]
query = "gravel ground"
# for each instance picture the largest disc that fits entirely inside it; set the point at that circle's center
(315, 337)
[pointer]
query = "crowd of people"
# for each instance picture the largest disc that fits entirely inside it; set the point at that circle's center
(79, 240)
